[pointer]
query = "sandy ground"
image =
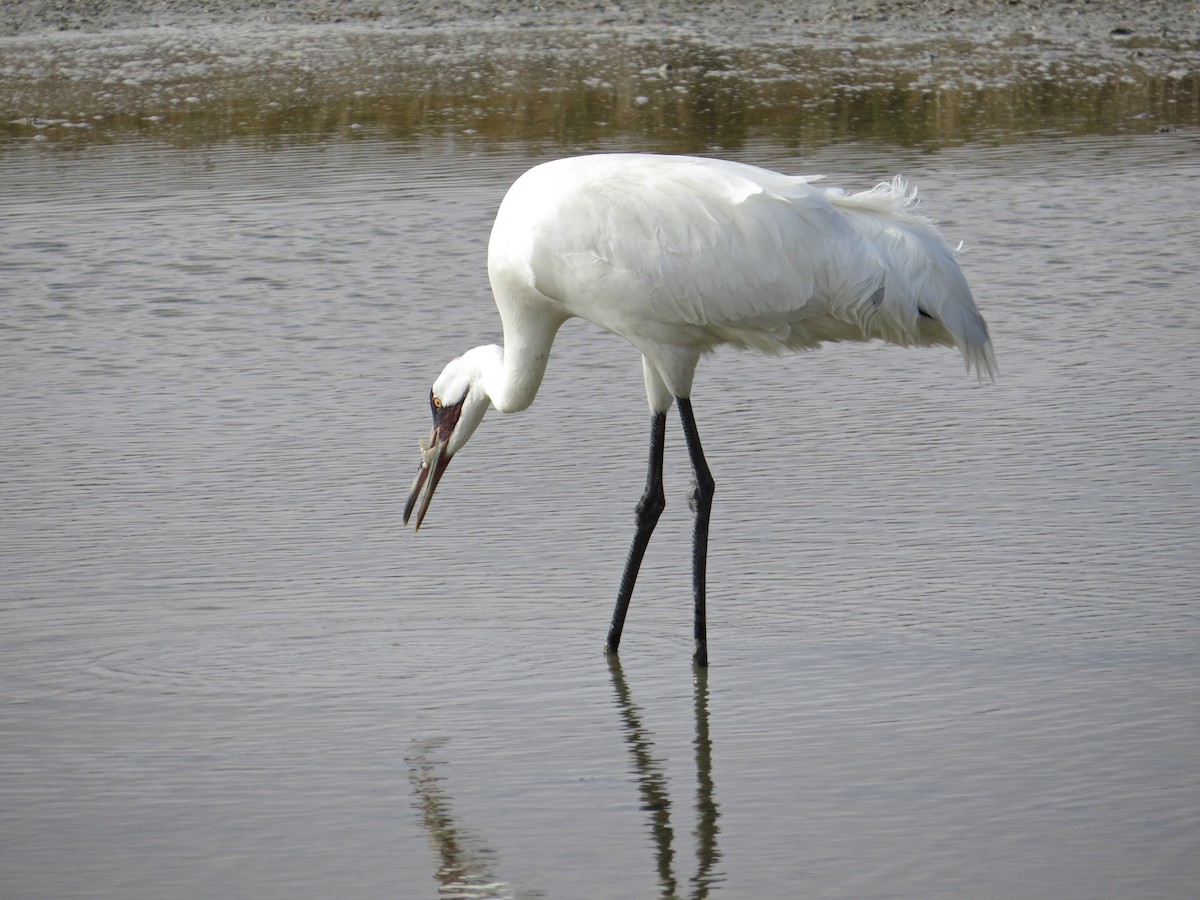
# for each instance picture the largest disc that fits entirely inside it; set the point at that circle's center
(750, 18)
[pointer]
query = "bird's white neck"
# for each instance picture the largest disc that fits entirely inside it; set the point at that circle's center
(512, 375)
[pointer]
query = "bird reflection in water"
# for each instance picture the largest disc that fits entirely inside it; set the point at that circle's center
(655, 794)
(466, 864)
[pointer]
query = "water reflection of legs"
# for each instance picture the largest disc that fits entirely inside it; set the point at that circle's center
(655, 793)
(707, 812)
(465, 862)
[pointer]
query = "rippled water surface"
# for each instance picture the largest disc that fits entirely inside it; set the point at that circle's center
(953, 626)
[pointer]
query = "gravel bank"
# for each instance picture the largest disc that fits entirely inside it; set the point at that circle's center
(746, 19)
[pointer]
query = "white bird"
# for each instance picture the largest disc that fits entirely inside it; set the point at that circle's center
(680, 255)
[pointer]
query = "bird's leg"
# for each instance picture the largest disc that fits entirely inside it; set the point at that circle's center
(700, 500)
(648, 510)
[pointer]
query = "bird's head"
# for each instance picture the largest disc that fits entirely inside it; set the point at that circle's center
(458, 401)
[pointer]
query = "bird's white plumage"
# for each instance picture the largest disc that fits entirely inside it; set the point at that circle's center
(679, 255)
(682, 254)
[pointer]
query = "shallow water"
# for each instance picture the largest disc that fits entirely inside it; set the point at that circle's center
(953, 627)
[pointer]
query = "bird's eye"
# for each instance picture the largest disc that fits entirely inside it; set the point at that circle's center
(437, 402)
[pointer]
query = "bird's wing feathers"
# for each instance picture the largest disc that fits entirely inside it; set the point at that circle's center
(692, 244)
(694, 251)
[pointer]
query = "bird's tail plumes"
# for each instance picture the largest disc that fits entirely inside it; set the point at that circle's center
(895, 196)
(924, 297)
(981, 359)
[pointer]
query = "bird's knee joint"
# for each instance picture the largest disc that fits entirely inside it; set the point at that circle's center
(650, 507)
(701, 493)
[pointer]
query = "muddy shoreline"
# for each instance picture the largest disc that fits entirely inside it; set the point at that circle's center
(586, 70)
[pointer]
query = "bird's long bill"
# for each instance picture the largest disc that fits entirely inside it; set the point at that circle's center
(428, 476)
(434, 460)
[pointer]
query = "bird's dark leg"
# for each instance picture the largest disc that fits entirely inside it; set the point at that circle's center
(700, 501)
(648, 510)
